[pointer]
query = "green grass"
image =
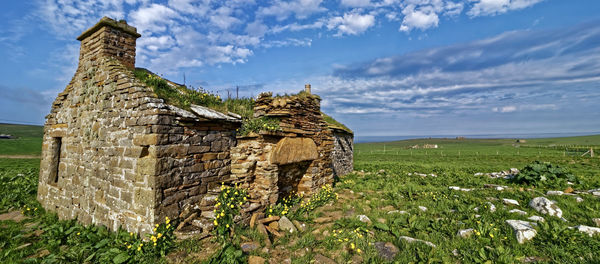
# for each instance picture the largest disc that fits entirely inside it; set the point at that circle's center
(384, 185)
(28, 141)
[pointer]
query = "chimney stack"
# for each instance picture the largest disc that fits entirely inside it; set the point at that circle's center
(109, 38)
(307, 88)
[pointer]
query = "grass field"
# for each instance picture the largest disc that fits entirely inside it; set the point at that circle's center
(28, 141)
(384, 188)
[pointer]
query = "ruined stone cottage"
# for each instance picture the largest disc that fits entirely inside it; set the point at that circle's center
(116, 154)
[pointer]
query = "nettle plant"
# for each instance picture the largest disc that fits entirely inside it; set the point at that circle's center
(543, 173)
(228, 205)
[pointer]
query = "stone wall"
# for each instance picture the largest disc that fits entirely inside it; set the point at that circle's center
(114, 154)
(343, 152)
(295, 160)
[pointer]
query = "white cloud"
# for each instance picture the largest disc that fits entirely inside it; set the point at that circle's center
(421, 18)
(351, 23)
(283, 9)
(494, 7)
(306, 42)
(356, 3)
(152, 19)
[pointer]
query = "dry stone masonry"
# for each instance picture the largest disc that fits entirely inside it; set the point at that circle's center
(115, 154)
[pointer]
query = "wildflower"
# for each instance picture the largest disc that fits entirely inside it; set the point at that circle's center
(216, 223)
(156, 225)
(168, 226)
(227, 225)
(155, 244)
(159, 235)
(352, 245)
(129, 246)
(491, 235)
(78, 233)
(231, 206)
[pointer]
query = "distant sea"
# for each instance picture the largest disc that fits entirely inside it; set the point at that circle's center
(365, 139)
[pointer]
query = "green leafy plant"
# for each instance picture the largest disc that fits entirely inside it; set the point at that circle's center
(255, 125)
(543, 173)
(227, 207)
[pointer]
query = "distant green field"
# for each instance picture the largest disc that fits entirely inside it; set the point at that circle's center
(28, 141)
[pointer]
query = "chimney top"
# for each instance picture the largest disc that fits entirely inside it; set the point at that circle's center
(307, 88)
(106, 21)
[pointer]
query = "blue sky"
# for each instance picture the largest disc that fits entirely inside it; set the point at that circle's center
(383, 67)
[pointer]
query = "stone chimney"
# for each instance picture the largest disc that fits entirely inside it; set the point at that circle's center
(109, 38)
(307, 88)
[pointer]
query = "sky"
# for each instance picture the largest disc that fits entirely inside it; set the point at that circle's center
(382, 67)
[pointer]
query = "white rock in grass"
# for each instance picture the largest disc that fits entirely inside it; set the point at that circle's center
(456, 188)
(464, 233)
(492, 207)
(596, 221)
(524, 230)
(536, 218)
(578, 199)
(517, 211)
(413, 240)
(555, 193)
(364, 219)
(510, 201)
(587, 229)
(545, 206)
(423, 208)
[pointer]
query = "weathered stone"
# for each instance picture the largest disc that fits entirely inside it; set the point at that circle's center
(286, 225)
(464, 233)
(300, 226)
(510, 202)
(545, 206)
(524, 230)
(249, 246)
(596, 221)
(256, 260)
(386, 250)
(320, 259)
(364, 219)
(414, 240)
(591, 231)
(536, 218)
(517, 211)
(291, 150)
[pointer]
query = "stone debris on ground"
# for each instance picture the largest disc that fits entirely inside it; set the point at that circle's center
(456, 188)
(386, 250)
(510, 202)
(502, 174)
(591, 231)
(414, 240)
(249, 246)
(578, 199)
(464, 233)
(422, 174)
(517, 211)
(536, 218)
(596, 221)
(496, 187)
(16, 216)
(544, 206)
(286, 225)
(524, 230)
(320, 259)
(555, 193)
(423, 208)
(364, 219)
(491, 206)
(256, 260)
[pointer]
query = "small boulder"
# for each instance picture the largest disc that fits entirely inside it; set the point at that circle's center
(544, 206)
(591, 231)
(249, 246)
(413, 240)
(491, 206)
(517, 211)
(578, 199)
(596, 221)
(423, 208)
(386, 250)
(555, 193)
(524, 230)
(536, 218)
(286, 225)
(465, 233)
(364, 219)
(320, 259)
(256, 260)
(510, 202)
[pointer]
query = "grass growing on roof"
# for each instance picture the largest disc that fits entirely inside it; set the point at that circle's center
(335, 124)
